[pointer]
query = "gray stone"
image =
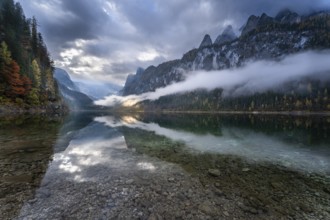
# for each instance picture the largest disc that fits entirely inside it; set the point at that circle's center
(43, 193)
(226, 213)
(206, 207)
(276, 185)
(130, 181)
(152, 217)
(214, 172)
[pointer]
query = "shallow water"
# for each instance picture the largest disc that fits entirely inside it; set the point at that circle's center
(303, 148)
(160, 166)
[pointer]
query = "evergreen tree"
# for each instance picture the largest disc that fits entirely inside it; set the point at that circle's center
(26, 70)
(34, 38)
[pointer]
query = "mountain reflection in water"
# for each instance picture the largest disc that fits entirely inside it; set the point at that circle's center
(241, 141)
(106, 166)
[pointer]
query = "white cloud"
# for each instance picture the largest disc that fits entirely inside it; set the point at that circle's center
(148, 55)
(253, 77)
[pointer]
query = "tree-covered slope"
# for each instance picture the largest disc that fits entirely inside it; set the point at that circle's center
(26, 69)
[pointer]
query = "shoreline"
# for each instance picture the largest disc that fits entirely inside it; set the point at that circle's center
(52, 108)
(288, 113)
(63, 109)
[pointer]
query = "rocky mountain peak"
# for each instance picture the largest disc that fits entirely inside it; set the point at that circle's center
(139, 71)
(283, 17)
(287, 16)
(227, 35)
(282, 14)
(207, 41)
(250, 25)
(265, 19)
(273, 38)
(132, 77)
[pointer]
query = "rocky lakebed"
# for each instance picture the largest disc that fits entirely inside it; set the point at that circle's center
(136, 174)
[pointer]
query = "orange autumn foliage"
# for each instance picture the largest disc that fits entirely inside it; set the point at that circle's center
(15, 82)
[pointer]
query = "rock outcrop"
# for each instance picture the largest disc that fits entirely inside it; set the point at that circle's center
(287, 17)
(207, 41)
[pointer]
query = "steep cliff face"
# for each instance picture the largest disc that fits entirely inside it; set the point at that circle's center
(262, 37)
(70, 92)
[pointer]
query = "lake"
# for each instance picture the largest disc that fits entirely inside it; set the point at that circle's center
(165, 166)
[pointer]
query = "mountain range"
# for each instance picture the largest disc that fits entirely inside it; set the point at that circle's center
(262, 38)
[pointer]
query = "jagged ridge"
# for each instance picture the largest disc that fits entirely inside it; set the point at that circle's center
(262, 37)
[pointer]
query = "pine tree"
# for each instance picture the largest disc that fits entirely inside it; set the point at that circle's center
(34, 38)
(26, 70)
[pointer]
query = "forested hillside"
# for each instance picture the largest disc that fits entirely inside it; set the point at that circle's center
(316, 98)
(26, 69)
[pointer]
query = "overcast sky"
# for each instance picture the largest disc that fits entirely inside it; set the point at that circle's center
(108, 39)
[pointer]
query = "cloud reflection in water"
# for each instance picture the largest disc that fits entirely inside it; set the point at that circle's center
(95, 145)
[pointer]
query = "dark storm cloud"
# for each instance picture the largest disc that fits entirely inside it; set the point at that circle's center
(240, 10)
(117, 36)
(119, 68)
(69, 31)
(63, 22)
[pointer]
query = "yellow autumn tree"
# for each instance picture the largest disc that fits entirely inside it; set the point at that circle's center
(37, 75)
(50, 86)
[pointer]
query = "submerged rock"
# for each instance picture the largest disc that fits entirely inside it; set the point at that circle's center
(214, 172)
(207, 208)
(245, 169)
(130, 181)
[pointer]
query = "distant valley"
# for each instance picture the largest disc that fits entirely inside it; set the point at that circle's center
(80, 95)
